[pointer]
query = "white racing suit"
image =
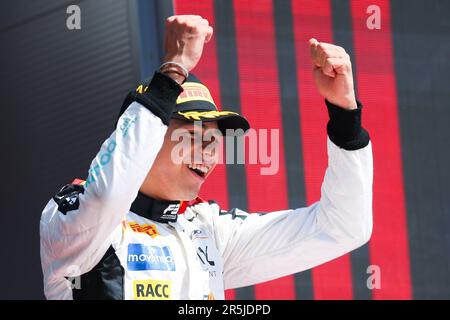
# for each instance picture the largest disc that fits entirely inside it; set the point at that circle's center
(105, 240)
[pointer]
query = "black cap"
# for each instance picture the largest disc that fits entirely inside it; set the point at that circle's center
(195, 103)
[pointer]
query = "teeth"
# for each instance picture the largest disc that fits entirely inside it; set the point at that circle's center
(201, 167)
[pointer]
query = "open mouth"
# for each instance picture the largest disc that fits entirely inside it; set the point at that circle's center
(199, 169)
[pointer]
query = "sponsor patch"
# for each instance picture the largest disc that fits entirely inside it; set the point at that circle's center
(67, 198)
(152, 290)
(141, 257)
(193, 91)
(149, 229)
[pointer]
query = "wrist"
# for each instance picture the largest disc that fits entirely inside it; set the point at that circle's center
(348, 103)
(344, 127)
(177, 77)
(175, 70)
(161, 97)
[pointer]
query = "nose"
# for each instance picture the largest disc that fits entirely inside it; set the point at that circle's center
(209, 156)
(204, 153)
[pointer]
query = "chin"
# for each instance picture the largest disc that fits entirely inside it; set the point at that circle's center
(190, 194)
(189, 197)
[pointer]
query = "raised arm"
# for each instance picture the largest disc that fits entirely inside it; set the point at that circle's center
(260, 247)
(77, 222)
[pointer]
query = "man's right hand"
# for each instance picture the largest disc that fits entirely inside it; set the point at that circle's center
(184, 39)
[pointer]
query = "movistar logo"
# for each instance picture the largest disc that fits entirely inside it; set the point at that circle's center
(141, 257)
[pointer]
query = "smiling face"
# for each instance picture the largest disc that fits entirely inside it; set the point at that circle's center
(187, 157)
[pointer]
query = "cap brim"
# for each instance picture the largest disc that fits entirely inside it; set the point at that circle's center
(232, 122)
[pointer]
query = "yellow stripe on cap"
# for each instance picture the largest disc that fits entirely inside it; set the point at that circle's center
(197, 115)
(194, 91)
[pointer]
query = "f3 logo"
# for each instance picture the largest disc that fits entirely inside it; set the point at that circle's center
(172, 209)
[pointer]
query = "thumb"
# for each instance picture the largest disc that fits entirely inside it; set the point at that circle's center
(313, 43)
(209, 34)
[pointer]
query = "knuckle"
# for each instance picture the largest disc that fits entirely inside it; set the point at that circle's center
(192, 24)
(171, 21)
(185, 22)
(186, 25)
(327, 53)
(178, 23)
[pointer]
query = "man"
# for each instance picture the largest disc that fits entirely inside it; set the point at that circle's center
(135, 229)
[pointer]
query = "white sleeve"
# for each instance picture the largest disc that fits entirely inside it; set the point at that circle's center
(261, 247)
(75, 228)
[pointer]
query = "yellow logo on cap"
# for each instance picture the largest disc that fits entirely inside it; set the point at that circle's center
(196, 115)
(194, 91)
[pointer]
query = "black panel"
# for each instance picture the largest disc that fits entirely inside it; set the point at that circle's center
(15, 14)
(104, 281)
(61, 91)
(421, 38)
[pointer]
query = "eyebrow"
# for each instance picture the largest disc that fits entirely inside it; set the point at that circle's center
(203, 126)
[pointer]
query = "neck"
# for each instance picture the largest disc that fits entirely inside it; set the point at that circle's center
(164, 194)
(155, 194)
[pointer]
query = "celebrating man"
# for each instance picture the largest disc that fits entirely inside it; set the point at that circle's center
(136, 228)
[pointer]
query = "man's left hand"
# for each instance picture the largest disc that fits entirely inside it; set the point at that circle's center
(333, 73)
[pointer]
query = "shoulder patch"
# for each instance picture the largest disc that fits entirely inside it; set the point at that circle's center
(68, 197)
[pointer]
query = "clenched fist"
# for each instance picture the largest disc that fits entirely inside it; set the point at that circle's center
(333, 73)
(184, 39)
